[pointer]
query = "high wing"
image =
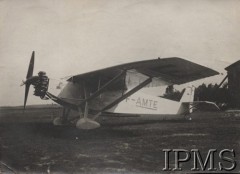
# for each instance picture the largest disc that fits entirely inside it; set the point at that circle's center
(172, 70)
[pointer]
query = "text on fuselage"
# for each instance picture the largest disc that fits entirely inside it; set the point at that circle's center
(144, 103)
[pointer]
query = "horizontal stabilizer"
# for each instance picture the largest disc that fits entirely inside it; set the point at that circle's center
(204, 106)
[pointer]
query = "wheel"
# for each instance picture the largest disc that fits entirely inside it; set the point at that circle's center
(58, 121)
(188, 117)
(86, 123)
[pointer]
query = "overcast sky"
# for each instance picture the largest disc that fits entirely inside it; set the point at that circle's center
(75, 36)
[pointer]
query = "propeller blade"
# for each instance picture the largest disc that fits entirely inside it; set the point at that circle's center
(26, 94)
(31, 66)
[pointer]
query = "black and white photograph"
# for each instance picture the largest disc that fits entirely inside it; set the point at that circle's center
(129, 86)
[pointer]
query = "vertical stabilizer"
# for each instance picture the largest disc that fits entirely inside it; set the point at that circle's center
(186, 100)
(188, 95)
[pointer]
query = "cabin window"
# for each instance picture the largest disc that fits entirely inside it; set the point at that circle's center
(134, 78)
(95, 82)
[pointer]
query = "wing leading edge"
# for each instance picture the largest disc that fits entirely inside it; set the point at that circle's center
(173, 70)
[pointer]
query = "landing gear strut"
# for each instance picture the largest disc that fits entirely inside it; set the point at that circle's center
(62, 120)
(84, 122)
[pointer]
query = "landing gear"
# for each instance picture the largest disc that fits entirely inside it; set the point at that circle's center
(58, 121)
(84, 122)
(188, 117)
(62, 120)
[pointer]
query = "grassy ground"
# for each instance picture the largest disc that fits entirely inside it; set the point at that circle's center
(38, 146)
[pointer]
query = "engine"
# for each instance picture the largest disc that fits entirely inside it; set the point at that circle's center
(41, 85)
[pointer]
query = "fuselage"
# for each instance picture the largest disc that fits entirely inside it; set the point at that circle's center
(139, 103)
(142, 103)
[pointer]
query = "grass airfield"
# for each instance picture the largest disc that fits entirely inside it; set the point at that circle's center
(31, 144)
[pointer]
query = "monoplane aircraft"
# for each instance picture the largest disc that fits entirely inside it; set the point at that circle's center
(119, 89)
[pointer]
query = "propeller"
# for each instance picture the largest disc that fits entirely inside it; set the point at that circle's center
(31, 66)
(26, 94)
(40, 82)
(29, 78)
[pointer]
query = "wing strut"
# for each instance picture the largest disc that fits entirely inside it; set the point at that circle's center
(132, 91)
(98, 92)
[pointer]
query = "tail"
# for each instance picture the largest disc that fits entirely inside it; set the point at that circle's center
(188, 95)
(186, 100)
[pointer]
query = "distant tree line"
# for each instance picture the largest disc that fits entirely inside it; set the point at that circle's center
(203, 93)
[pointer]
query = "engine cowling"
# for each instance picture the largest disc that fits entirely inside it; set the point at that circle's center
(41, 85)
